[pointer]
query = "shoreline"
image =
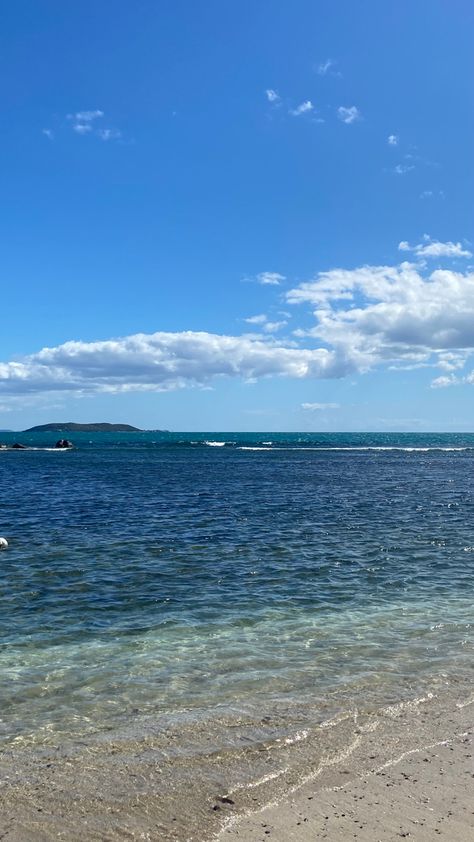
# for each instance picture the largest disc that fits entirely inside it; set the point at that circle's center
(426, 793)
(151, 789)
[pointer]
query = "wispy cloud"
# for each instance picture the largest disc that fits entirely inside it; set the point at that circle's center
(270, 278)
(393, 140)
(84, 123)
(256, 320)
(326, 67)
(431, 194)
(82, 128)
(315, 407)
(109, 134)
(274, 327)
(349, 115)
(434, 248)
(272, 95)
(303, 108)
(402, 169)
(83, 120)
(444, 381)
(263, 322)
(85, 116)
(48, 133)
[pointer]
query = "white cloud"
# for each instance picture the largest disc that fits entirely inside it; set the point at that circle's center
(450, 361)
(376, 315)
(314, 407)
(256, 320)
(434, 248)
(325, 67)
(272, 95)
(83, 123)
(392, 140)
(392, 316)
(444, 381)
(109, 134)
(48, 133)
(430, 194)
(349, 115)
(160, 362)
(266, 325)
(270, 278)
(273, 327)
(402, 169)
(82, 128)
(85, 116)
(303, 108)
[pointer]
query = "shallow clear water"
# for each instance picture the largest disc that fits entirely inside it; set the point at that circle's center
(156, 576)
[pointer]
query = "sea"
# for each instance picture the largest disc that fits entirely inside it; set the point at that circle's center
(216, 613)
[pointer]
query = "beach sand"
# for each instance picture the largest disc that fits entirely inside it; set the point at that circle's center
(426, 794)
(403, 771)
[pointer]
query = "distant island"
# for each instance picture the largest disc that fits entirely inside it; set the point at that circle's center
(71, 427)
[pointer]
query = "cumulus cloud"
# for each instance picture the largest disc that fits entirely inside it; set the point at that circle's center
(314, 407)
(376, 315)
(272, 95)
(348, 115)
(303, 108)
(434, 248)
(160, 362)
(402, 169)
(392, 140)
(391, 315)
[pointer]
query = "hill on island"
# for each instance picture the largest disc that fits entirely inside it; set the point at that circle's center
(71, 427)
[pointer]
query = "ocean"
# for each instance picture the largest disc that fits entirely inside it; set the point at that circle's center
(223, 607)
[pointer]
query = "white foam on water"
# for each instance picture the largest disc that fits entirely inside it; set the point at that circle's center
(364, 448)
(300, 735)
(215, 443)
(396, 710)
(269, 448)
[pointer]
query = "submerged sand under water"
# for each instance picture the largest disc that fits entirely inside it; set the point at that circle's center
(208, 780)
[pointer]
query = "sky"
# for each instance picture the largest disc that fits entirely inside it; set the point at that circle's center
(238, 215)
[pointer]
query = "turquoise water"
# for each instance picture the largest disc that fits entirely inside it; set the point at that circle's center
(164, 577)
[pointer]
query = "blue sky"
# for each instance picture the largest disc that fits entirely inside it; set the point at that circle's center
(191, 192)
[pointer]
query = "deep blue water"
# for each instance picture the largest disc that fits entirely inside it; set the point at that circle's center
(157, 573)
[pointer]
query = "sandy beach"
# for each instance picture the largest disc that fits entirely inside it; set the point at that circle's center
(424, 794)
(406, 772)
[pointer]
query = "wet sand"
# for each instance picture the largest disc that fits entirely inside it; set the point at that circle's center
(426, 794)
(403, 771)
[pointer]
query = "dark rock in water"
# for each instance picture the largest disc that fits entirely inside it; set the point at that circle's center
(63, 444)
(17, 446)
